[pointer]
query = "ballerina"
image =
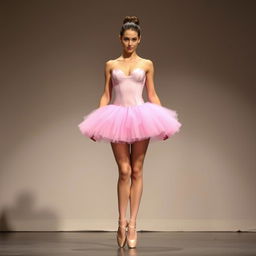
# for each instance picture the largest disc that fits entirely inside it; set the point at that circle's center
(129, 123)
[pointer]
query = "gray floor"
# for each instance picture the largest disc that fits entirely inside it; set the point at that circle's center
(149, 243)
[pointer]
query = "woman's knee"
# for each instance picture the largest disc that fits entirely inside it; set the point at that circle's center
(137, 171)
(125, 171)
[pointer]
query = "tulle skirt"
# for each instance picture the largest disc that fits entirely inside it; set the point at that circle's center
(128, 124)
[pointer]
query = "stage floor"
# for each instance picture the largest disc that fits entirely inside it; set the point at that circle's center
(149, 243)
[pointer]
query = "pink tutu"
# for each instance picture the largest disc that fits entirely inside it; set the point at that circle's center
(127, 124)
(129, 118)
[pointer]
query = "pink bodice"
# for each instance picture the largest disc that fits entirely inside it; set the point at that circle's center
(127, 89)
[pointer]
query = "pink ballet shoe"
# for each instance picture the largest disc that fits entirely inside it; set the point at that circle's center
(121, 225)
(132, 242)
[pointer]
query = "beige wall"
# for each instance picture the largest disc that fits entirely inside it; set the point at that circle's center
(52, 60)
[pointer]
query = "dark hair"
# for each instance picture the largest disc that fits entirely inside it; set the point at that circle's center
(131, 22)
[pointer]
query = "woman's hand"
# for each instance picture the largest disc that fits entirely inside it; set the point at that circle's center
(165, 137)
(92, 138)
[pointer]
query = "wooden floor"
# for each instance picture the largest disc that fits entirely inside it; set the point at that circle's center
(149, 243)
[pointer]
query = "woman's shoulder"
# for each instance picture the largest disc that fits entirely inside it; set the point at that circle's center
(109, 64)
(146, 61)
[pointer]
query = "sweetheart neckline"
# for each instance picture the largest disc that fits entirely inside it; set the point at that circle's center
(130, 73)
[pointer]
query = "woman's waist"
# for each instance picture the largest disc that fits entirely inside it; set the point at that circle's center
(128, 101)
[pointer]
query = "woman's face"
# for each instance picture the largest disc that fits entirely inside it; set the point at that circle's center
(130, 40)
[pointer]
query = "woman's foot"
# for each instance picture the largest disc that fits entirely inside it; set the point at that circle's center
(121, 232)
(132, 234)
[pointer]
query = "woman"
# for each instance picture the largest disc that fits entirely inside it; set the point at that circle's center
(129, 123)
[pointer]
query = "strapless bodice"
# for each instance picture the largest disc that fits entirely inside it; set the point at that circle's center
(127, 89)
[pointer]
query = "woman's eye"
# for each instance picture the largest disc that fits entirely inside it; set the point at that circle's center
(134, 39)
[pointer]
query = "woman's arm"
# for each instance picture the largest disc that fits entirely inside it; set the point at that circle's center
(151, 92)
(106, 96)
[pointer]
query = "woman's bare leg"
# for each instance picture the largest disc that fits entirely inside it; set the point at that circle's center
(122, 156)
(138, 152)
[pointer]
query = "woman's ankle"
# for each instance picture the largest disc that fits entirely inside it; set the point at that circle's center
(132, 221)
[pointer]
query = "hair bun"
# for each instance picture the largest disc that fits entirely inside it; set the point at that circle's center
(131, 19)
